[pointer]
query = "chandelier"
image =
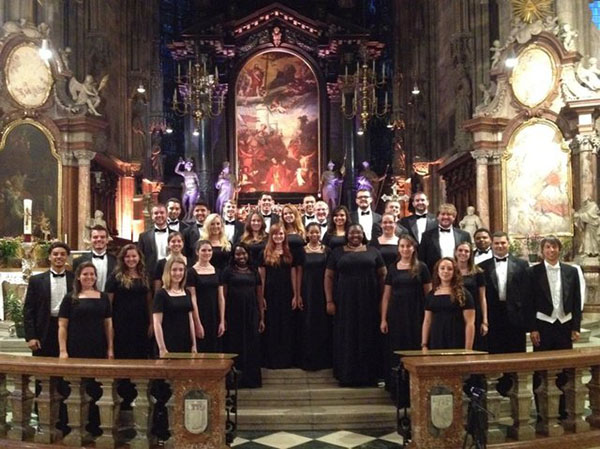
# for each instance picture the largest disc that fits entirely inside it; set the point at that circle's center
(364, 86)
(198, 92)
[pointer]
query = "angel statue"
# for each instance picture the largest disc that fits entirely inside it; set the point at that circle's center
(226, 187)
(87, 93)
(191, 184)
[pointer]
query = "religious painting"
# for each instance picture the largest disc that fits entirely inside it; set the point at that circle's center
(29, 80)
(537, 181)
(277, 124)
(29, 169)
(534, 76)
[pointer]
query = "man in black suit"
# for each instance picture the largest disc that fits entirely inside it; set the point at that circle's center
(105, 263)
(421, 220)
(153, 243)
(233, 228)
(441, 241)
(173, 212)
(265, 208)
(322, 216)
(308, 207)
(393, 207)
(364, 216)
(506, 284)
(192, 233)
(483, 245)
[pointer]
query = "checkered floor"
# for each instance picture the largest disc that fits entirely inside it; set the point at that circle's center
(318, 440)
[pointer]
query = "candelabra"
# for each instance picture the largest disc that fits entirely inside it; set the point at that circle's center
(198, 92)
(364, 85)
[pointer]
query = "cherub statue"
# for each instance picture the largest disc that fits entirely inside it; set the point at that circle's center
(568, 36)
(44, 225)
(226, 187)
(470, 222)
(191, 185)
(87, 93)
(496, 51)
(330, 183)
(589, 76)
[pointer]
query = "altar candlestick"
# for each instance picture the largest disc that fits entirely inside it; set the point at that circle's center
(386, 100)
(27, 208)
(346, 71)
(175, 96)
(178, 71)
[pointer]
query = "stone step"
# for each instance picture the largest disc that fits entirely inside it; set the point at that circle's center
(331, 417)
(297, 377)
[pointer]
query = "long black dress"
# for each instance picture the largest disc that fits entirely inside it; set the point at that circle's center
(175, 322)
(220, 258)
(447, 329)
(315, 345)
(296, 243)
(389, 251)
(356, 323)
(207, 300)
(241, 312)
(472, 282)
(130, 318)
(256, 250)
(334, 241)
(278, 338)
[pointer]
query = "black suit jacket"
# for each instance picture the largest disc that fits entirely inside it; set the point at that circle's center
(516, 292)
(238, 227)
(410, 223)
(36, 309)
(274, 218)
(540, 298)
(401, 229)
(112, 262)
(375, 229)
(182, 226)
(429, 249)
(190, 237)
(147, 246)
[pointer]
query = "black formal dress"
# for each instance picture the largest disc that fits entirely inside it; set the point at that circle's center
(242, 317)
(472, 283)
(280, 331)
(296, 243)
(130, 318)
(333, 241)
(315, 343)
(175, 321)
(356, 323)
(389, 251)
(256, 250)
(220, 258)
(207, 299)
(447, 329)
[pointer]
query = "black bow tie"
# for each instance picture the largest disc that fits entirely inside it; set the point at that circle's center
(501, 259)
(444, 230)
(323, 225)
(309, 217)
(160, 230)
(58, 275)
(266, 216)
(228, 222)
(98, 256)
(421, 216)
(365, 213)
(478, 251)
(174, 222)
(199, 225)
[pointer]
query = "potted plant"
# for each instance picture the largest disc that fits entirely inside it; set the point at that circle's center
(533, 247)
(13, 311)
(515, 248)
(10, 249)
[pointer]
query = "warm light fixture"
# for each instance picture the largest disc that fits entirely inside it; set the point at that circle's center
(196, 132)
(169, 129)
(44, 51)
(141, 89)
(415, 90)
(360, 131)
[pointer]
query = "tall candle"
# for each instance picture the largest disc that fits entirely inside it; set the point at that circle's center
(27, 223)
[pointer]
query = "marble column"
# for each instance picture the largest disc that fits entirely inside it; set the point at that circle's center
(496, 207)
(84, 198)
(585, 148)
(483, 191)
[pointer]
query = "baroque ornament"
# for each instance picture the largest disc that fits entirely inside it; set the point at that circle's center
(531, 10)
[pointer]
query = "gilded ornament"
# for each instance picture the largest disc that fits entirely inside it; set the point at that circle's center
(530, 11)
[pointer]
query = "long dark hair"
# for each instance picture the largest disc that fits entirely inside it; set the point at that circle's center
(122, 272)
(331, 228)
(248, 235)
(457, 293)
(414, 260)
(77, 283)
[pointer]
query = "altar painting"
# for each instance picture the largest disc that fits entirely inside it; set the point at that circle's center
(29, 169)
(537, 182)
(277, 124)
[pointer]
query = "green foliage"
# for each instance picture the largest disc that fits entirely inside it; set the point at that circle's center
(13, 310)
(515, 248)
(10, 249)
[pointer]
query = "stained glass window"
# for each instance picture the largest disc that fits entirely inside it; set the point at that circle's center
(595, 7)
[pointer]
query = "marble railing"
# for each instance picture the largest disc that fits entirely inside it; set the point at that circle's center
(197, 408)
(439, 420)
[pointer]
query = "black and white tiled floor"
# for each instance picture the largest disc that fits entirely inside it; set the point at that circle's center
(315, 439)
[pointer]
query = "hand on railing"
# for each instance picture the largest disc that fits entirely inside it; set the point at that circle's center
(534, 336)
(162, 353)
(63, 355)
(34, 344)
(575, 336)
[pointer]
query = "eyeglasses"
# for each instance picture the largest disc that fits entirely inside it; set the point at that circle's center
(363, 197)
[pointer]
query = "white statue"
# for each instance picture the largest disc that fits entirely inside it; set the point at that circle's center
(568, 36)
(488, 92)
(471, 222)
(587, 221)
(496, 51)
(87, 93)
(589, 76)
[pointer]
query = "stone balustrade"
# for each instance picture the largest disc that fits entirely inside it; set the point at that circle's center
(30, 421)
(436, 393)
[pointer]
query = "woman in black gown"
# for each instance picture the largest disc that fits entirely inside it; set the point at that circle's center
(337, 228)
(204, 286)
(255, 236)
(245, 315)
(174, 249)
(353, 286)
(403, 304)
(474, 282)
(387, 242)
(449, 321)
(315, 346)
(280, 290)
(214, 231)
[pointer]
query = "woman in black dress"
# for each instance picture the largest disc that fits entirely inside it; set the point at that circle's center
(280, 291)
(315, 346)
(205, 288)
(214, 231)
(335, 236)
(354, 281)
(293, 227)
(449, 321)
(255, 236)
(245, 315)
(387, 242)
(174, 249)
(474, 282)
(403, 304)
(172, 312)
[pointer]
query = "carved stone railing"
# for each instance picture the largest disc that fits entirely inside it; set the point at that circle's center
(436, 379)
(196, 408)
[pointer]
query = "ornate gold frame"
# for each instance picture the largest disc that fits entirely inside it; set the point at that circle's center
(555, 74)
(27, 121)
(507, 154)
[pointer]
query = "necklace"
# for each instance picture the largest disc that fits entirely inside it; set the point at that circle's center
(314, 249)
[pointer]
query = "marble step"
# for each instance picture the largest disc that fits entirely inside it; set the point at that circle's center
(322, 395)
(297, 378)
(330, 417)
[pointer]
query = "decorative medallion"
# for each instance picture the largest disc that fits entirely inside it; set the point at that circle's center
(530, 11)
(534, 76)
(196, 410)
(28, 77)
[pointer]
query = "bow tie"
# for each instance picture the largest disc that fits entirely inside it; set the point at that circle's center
(98, 256)
(199, 225)
(309, 217)
(365, 213)
(551, 268)
(228, 222)
(421, 216)
(266, 216)
(58, 275)
(323, 225)
(501, 259)
(174, 222)
(160, 230)
(444, 230)
(478, 251)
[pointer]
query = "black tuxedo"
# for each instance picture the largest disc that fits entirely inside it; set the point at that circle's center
(304, 220)
(400, 230)
(36, 311)
(429, 249)
(238, 227)
(182, 226)
(507, 320)
(410, 223)
(110, 267)
(274, 218)
(147, 246)
(375, 229)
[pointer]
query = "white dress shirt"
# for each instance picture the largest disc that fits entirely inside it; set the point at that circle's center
(555, 284)
(323, 228)
(229, 230)
(58, 290)
(366, 221)
(308, 220)
(482, 256)
(160, 238)
(447, 243)
(101, 269)
(502, 275)
(421, 226)
(173, 227)
(267, 222)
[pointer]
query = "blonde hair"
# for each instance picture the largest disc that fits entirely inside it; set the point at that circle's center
(223, 241)
(166, 277)
(448, 208)
(296, 227)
